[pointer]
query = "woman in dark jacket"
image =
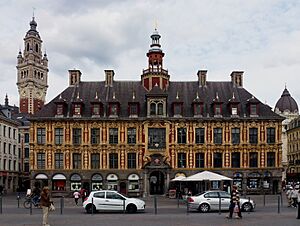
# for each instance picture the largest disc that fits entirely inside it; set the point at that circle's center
(45, 204)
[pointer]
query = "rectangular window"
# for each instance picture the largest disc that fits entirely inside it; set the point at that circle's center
(14, 150)
(131, 160)
(199, 158)
(218, 136)
(197, 109)
(156, 138)
(4, 164)
(181, 160)
(76, 136)
(271, 159)
(113, 136)
(14, 133)
(177, 109)
(95, 136)
(218, 163)
(253, 159)
(26, 152)
(76, 161)
(181, 135)
(59, 109)
(113, 160)
(40, 160)
(271, 135)
(200, 135)
(235, 135)
(96, 109)
(253, 109)
(26, 167)
(217, 109)
(234, 110)
(9, 132)
(9, 165)
(131, 135)
(59, 136)
(9, 148)
(253, 136)
(4, 147)
(113, 110)
(41, 135)
(59, 160)
(77, 109)
(26, 137)
(133, 109)
(4, 131)
(95, 161)
(236, 160)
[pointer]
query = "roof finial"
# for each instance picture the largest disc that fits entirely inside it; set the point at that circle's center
(96, 95)
(78, 95)
(233, 97)
(6, 100)
(114, 95)
(155, 25)
(285, 85)
(133, 95)
(177, 96)
(197, 95)
(33, 8)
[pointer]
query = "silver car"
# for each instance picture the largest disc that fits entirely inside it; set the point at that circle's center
(210, 200)
(108, 200)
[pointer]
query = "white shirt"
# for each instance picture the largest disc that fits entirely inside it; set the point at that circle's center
(76, 194)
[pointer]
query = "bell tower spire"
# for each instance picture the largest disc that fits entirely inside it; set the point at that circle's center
(32, 72)
(155, 73)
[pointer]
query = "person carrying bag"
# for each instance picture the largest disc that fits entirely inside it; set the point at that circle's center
(46, 205)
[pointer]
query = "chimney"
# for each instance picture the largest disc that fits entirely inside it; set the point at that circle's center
(202, 77)
(109, 77)
(74, 77)
(237, 78)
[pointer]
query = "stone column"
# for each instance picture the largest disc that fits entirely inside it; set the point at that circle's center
(145, 184)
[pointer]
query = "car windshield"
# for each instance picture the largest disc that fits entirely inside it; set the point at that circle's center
(201, 193)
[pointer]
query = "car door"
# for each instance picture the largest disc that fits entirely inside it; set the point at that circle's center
(114, 201)
(99, 200)
(225, 200)
(212, 198)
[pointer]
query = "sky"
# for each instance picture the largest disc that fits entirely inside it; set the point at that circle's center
(259, 37)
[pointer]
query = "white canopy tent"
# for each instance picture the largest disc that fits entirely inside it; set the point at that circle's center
(206, 176)
(179, 178)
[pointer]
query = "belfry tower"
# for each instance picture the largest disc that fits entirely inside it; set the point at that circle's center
(155, 74)
(32, 72)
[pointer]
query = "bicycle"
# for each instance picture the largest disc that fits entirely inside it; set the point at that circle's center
(29, 201)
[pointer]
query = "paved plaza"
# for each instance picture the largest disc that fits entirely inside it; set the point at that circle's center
(168, 214)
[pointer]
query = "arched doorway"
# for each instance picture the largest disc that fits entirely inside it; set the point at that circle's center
(157, 183)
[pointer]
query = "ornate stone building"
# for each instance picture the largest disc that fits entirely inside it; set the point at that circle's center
(32, 79)
(287, 107)
(135, 136)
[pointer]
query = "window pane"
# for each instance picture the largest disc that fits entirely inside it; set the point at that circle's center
(59, 160)
(181, 135)
(40, 160)
(235, 135)
(76, 136)
(181, 157)
(95, 161)
(218, 135)
(200, 160)
(131, 160)
(113, 160)
(157, 138)
(253, 159)
(95, 136)
(131, 135)
(235, 160)
(160, 110)
(253, 138)
(200, 135)
(41, 135)
(76, 161)
(270, 135)
(113, 135)
(59, 136)
(271, 159)
(217, 160)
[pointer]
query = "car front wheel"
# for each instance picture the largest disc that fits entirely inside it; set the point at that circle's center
(131, 208)
(247, 207)
(204, 208)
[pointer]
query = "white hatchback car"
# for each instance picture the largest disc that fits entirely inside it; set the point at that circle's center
(210, 200)
(108, 200)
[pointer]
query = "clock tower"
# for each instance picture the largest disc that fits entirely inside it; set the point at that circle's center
(32, 72)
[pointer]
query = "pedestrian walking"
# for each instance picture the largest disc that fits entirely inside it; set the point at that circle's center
(235, 203)
(83, 194)
(294, 196)
(45, 204)
(76, 195)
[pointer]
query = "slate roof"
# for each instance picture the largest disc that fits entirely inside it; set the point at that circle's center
(186, 90)
(286, 102)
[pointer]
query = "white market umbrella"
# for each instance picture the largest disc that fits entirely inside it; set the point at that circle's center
(206, 175)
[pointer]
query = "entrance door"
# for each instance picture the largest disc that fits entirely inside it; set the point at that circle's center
(157, 183)
(123, 189)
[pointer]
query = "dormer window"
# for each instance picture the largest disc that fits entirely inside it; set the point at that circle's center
(253, 109)
(59, 109)
(177, 108)
(133, 109)
(77, 110)
(198, 109)
(217, 109)
(113, 110)
(156, 108)
(96, 109)
(234, 110)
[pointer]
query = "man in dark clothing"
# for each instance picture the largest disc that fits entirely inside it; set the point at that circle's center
(235, 200)
(36, 193)
(1, 189)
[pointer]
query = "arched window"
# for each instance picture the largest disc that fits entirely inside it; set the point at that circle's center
(152, 109)
(160, 110)
(36, 48)
(27, 48)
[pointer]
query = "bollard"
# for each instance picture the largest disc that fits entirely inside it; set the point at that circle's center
(281, 198)
(177, 202)
(264, 198)
(92, 206)
(30, 209)
(1, 204)
(18, 198)
(249, 202)
(155, 205)
(124, 210)
(298, 217)
(278, 204)
(61, 204)
(220, 206)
